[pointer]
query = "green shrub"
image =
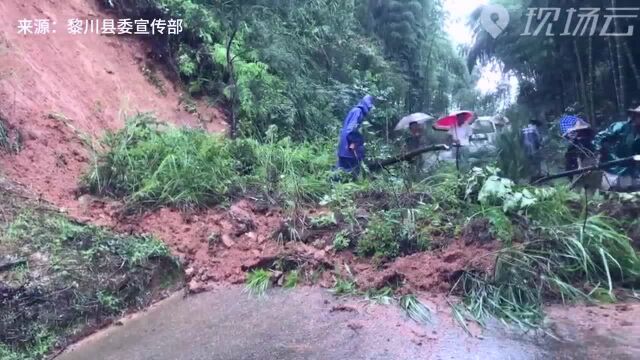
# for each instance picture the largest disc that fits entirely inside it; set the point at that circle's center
(152, 164)
(258, 281)
(593, 255)
(381, 238)
(341, 241)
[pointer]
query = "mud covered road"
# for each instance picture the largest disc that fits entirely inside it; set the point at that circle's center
(312, 324)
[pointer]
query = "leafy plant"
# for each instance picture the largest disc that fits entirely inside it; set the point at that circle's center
(344, 287)
(382, 296)
(258, 281)
(341, 241)
(324, 221)
(524, 276)
(292, 279)
(415, 309)
(381, 237)
(109, 301)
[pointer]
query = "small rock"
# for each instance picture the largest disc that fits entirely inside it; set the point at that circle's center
(251, 236)
(276, 275)
(189, 272)
(196, 287)
(226, 240)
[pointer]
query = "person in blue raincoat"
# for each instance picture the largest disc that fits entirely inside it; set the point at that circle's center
(351, 150)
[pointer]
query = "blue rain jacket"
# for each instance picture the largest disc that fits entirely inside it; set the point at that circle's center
(350, 133)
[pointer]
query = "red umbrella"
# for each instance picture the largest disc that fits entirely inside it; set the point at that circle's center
(450, 121)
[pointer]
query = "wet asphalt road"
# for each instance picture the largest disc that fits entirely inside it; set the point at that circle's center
(227, 324)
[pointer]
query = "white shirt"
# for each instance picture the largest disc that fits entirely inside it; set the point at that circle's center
(461, 134)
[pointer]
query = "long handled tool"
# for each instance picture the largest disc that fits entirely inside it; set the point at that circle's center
(602, 166)
(377, 165)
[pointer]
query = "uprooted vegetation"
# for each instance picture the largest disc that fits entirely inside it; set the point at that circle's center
(60, 280)
(503, 248)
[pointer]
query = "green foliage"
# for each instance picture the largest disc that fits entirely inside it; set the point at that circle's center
(56, 234)
(324, 221)
(381, 237)
(258, 281)
(382, 296)
(341, 241)
(82, 274)
(501, 226)
(512, 159)
(301, 65)
(152, 165)
(595, 72)
(594, 255)
(292, 279)
(415, 309)
(344, 287)
(109, 301)
(181, 167)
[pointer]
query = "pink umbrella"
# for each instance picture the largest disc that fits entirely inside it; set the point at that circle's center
(451, 121)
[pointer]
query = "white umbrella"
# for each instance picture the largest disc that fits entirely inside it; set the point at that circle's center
(419, 118)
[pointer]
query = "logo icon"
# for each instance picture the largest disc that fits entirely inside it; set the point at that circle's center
(494, 19)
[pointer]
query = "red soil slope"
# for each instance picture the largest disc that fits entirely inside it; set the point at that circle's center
(58, 89)
(91, 80)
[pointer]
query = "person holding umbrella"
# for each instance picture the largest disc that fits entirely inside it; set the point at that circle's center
(579, 136)
(458, 126)
(415, 124)
(415, 138)
(351, 149)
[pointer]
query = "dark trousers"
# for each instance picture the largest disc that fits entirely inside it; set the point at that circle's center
(350, 165)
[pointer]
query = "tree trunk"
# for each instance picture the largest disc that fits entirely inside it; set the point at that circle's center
(583, 87)
(621, 81)
(634, 67)
(591, 83)
(233, 128)
(614, 73)
(563, 95)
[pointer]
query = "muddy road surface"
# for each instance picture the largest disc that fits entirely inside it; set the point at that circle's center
(312, 324)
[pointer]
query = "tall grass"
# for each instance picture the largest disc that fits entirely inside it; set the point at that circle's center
(154, 164)
(595, 255)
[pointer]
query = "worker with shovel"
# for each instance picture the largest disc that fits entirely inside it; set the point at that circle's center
(621, 140)
(351, 150)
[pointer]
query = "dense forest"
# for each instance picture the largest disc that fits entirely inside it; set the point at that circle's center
(575, 63)
(300, 65)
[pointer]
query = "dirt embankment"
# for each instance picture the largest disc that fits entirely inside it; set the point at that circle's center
(52, 84)
(60, 91)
